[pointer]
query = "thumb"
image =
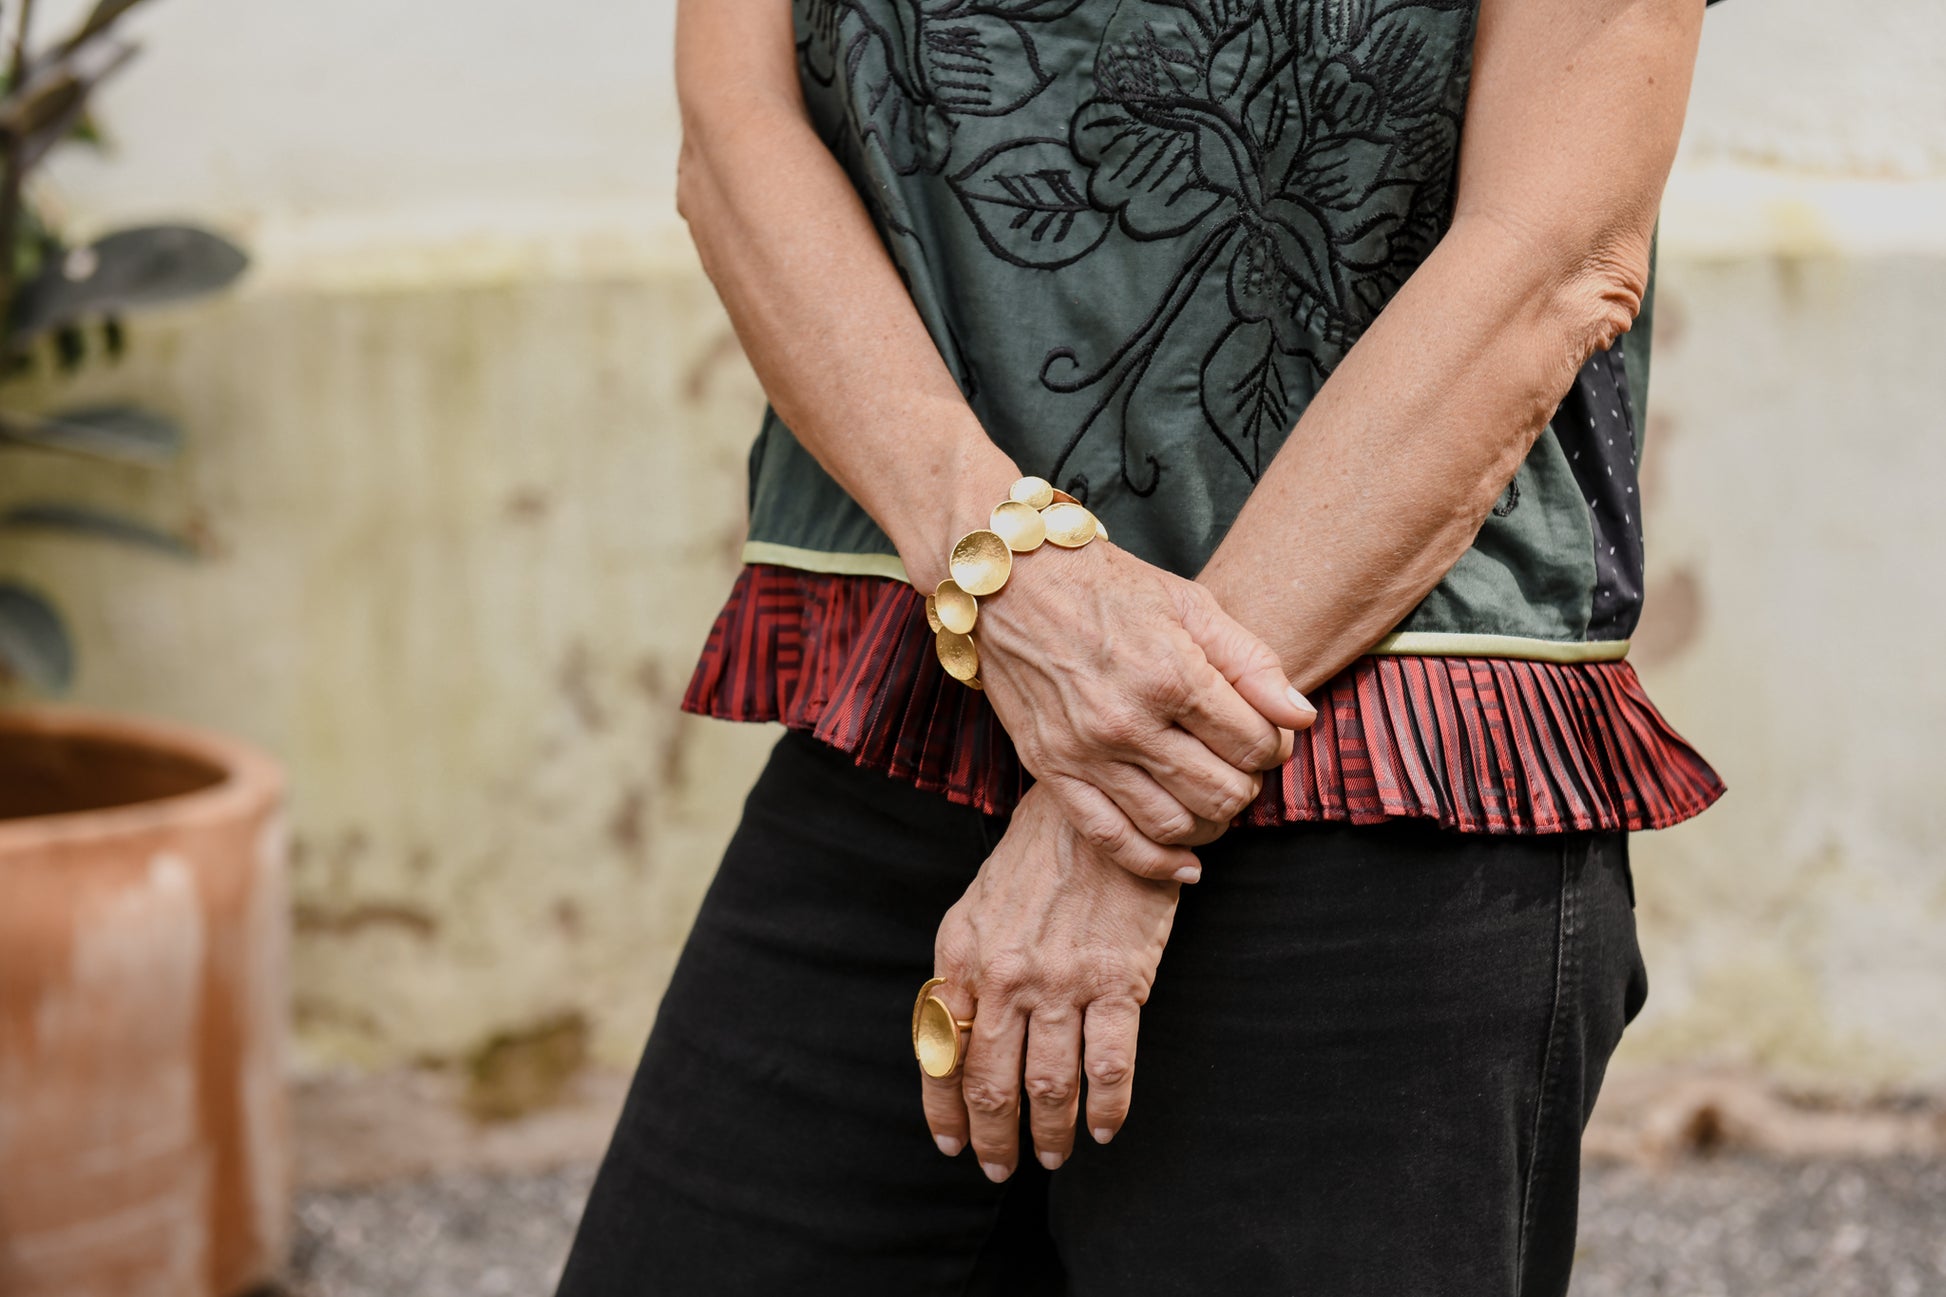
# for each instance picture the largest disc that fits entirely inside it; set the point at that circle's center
(1253, 671)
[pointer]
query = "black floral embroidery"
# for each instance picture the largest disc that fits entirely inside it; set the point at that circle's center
(1272, 139)
(1296, 155)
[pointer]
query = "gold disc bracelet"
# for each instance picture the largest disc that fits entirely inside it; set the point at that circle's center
(1033, 514)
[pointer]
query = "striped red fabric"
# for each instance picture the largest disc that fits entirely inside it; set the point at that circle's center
(1478, 745)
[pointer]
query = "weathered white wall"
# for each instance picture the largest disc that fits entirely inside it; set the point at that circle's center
(461, 443)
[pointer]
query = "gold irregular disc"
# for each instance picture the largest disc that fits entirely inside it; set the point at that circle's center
(937, 1040)
(1019, 525)
(1062, 497)
(1069, 525)
(977, 685)
(918, 1003)
(1101, 529)
(1034, 492)
(981, 562)
(932, 613)
(957, 655)
(956, 609)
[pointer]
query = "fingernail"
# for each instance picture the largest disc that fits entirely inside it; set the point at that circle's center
(995, 1171)
(1299, 701)
(948, 1145)
(1052, 1160)
(1189, 873)
(1102, 1134)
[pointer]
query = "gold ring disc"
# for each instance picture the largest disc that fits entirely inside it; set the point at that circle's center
(1034, 492)
(981, 562)
(1069, 525)
(1019, 525)
(918, 1003)
(955, 609)
(957, 655)
(937, 1042)
(932, 613)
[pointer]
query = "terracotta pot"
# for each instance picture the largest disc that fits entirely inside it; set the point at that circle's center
(143, 952)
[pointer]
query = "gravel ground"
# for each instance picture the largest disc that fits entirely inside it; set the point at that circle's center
(1717, 1227)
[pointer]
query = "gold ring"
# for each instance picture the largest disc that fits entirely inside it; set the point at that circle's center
(938, 1038)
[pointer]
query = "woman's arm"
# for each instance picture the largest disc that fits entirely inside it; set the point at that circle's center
(1571, 127)
(817, 303)
(1574, 115)
(1127, 690)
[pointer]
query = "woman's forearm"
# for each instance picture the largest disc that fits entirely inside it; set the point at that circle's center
(816, 301)
(1393, 467)
(1570, 131)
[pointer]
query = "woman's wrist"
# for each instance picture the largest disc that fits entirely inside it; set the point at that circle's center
(946, 499)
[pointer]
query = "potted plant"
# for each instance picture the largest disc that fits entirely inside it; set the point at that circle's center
(142, 915)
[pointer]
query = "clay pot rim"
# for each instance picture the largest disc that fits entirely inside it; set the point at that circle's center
(250, 779)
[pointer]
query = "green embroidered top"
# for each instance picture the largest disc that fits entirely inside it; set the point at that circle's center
(1143, 232)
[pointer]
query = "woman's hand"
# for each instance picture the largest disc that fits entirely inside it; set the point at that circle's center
(1136, 701)
(1051, 952)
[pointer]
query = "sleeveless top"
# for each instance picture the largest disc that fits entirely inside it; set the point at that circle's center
(1142, 233)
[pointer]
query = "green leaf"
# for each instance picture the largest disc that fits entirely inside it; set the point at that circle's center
(34, 641)
(83, 520)
(148, 266)
(114, 432)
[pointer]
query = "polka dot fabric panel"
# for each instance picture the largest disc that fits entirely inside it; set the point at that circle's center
(1596, 426)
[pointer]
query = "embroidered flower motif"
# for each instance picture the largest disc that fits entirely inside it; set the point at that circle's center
(1299, 150)
(1295, 154)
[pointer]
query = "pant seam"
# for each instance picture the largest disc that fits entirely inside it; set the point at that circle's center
(1550, 1057)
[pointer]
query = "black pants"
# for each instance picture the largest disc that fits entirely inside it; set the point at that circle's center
(1365, 1069)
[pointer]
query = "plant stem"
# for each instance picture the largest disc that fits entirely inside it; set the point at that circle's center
(11, 180)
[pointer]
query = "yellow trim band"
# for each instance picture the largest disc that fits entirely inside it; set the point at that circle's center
(818, 560)
(1449, 645)
(1402, 644)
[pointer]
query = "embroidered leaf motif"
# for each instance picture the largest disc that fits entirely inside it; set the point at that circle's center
(978, 65)
(913, 133)
(1302, 245)
(1251, 390)
(1028, 204)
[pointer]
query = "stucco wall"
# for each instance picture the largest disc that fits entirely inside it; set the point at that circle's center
(461, 447)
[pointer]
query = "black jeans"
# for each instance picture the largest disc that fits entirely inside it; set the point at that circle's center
(1365, 1069)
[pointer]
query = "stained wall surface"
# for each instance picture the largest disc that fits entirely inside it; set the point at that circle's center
(466, 456)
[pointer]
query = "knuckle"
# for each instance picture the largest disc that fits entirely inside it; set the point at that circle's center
(1170, 685)
(987, 1098)
(954, 946)
(951, 958)
(1265, 747)
(1239, 795)
(1195, 605)
(1103, 831)
(1108, 978)
(1109, 1069)
(1257, 655)
(1055, 1090)
(1120, 726)
(1174, 827)
(1005, 974)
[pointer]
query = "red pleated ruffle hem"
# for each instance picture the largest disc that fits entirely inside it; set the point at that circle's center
(1479, 745)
